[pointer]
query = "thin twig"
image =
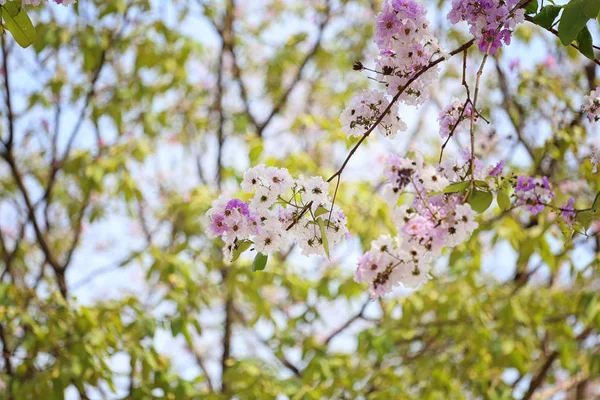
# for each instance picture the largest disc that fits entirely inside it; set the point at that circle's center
(347, 324)
(309, 56)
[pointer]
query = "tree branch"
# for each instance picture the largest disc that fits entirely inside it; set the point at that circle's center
(347, 324)
(312, 52)
(394, 99)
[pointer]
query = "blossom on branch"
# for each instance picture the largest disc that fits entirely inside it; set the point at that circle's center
(490, 21)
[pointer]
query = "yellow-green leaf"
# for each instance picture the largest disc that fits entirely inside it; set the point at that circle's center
(17, 22)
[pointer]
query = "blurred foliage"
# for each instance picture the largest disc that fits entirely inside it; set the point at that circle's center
(108, 89)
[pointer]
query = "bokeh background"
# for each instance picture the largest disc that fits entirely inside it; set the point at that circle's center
(129, 117)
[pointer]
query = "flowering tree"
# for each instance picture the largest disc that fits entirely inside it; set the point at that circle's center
(214, 162)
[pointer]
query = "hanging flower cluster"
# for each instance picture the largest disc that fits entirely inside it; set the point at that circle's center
(363, 112)
(282, 210)
(433, 220)
(490, 21)
(406, 49)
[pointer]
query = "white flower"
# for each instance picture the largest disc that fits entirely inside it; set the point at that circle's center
(413, 273)
(253, 178)
(465, 221)
(268, 240)
(263, 198)
(315, 190)
(278, 179)
(228, 250)
(432, 179)
(365, 109)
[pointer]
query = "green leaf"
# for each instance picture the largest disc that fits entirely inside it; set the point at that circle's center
(585, 218)
(596, 203)
(503, 200)
(260, 262)
(454, 188)
(591, 8)
(323, 236)
(572, 22)
(532, 7)
(177, 326)
(480, 200)
(585, 43)
(546, 16)
(17, 22)
(320, 211)
(481, 184)
(240, 247)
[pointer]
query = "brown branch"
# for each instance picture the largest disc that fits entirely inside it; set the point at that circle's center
(508, 101)
(312, 52)
(226, 40)
(561, 387)
(6, 353)
(202, 365)
(57, 164)
(227, 333)
(11, 117)
(10, 256)
(394, 99)
(451, 134)
(539, 378)
(237, 75)
(9, 158)
(8, 367)
(78, 228)
(295, 221)
(347, 324)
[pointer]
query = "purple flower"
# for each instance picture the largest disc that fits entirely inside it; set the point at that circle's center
(409, 8)
(240, 205)
(497, 170)
(496, 16)
(533, 193)
(386, 26)
(217, 225)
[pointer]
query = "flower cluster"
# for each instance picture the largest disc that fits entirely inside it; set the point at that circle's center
(406, 48)
(452, 115)
(490, 21)
(591, 105)
(364, 111)
(534, 193)
(282, 210)
(433, 220)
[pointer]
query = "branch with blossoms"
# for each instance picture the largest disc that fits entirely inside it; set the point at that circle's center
(376, 116)
(435, 206)
(281, 210)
